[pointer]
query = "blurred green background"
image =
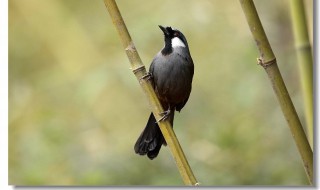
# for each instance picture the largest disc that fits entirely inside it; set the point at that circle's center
(76, 109)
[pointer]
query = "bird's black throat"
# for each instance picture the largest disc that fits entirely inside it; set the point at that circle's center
(167, 47)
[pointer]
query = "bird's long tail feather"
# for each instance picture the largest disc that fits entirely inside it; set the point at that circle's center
(151, 139)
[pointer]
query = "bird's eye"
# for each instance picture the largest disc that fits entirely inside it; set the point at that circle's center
(176, 34)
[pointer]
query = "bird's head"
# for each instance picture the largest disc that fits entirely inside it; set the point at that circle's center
(173, 38)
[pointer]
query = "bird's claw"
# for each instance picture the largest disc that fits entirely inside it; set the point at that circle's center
(147, 76)
(164, 115)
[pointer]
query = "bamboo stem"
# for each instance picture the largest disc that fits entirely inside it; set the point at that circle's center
(140, 71)
(305, 61)
(268, 61)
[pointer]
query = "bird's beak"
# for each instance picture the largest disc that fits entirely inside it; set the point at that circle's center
(164, 30)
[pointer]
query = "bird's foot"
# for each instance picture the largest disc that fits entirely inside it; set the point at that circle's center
(147, 76)
(164, 115)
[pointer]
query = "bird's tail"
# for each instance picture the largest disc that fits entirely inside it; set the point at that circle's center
(151, 139)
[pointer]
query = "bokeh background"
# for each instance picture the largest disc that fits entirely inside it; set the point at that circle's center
(76, 109)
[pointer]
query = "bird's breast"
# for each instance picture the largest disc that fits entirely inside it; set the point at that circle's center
(172, 77)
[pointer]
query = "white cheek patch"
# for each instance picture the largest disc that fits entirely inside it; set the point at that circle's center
(176, 42)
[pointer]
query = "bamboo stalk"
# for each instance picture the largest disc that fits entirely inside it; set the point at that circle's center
(140, 71)
(305, 62)
(268, 61)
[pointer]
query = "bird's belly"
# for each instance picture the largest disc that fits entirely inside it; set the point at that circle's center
(173, 85)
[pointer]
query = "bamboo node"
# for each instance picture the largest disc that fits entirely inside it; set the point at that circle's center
(266, 64)
(303, 47)
(138, 69)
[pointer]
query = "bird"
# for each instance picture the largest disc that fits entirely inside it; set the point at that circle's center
(171, 73)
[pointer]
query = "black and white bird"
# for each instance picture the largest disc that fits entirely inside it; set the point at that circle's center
(171, 75)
